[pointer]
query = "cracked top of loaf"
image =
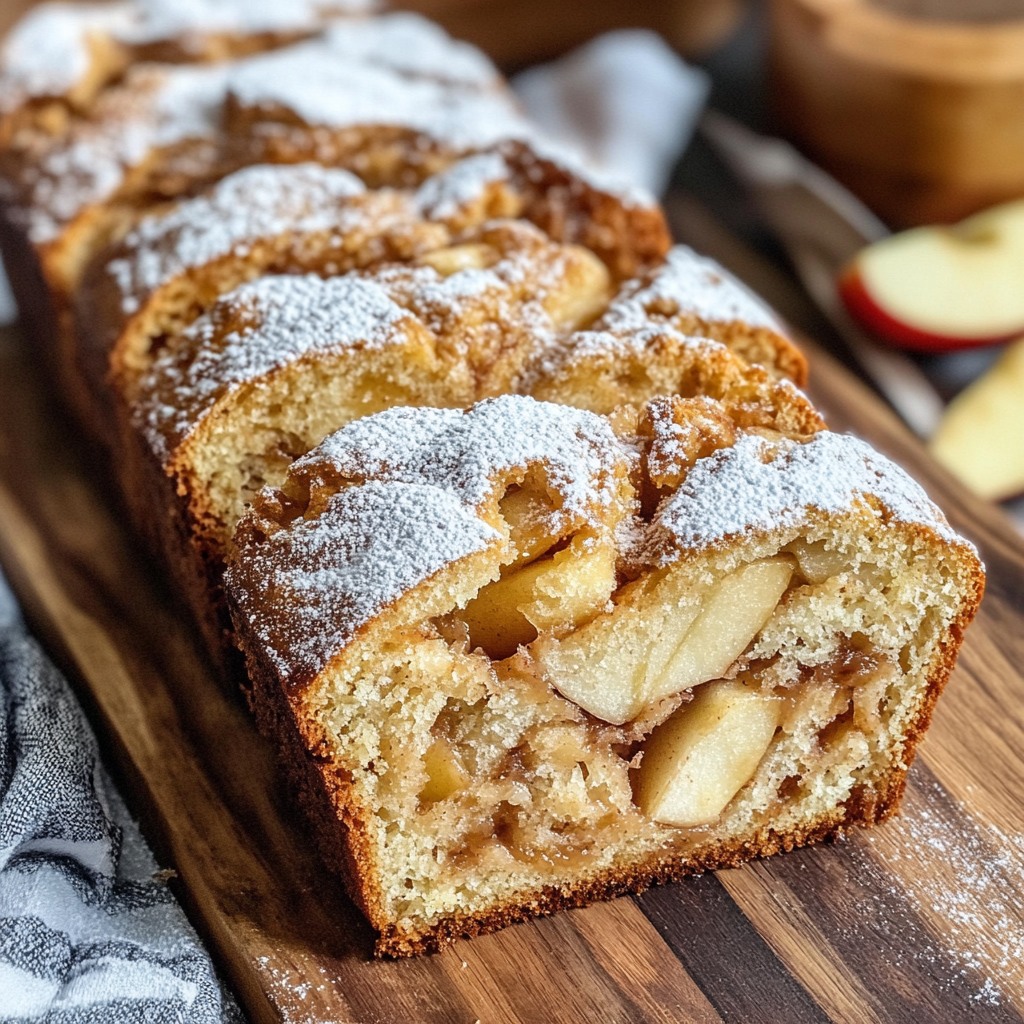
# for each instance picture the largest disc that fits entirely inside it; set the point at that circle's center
(392, 95)
(396, 498)
(388, 503)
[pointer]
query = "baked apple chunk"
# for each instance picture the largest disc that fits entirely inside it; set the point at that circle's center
(663, 637)
(555, 591)
(693, 764)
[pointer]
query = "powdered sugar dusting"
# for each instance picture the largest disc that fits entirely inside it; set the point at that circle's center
(369, 546)
(395, 71)
(463, 451)
(47, 53)
(585, 345)
(444, 195)
(256, 202)
(282, 318)
(398, 71)
(410, 46)
(159, 108)
(758, 485)
(315, 86)
(587, 169)
(690, 285)
(426, 471)
(964, 875)
(189, 104)
(180, 19)
(566, 354)
(266, 201)
(49, 50)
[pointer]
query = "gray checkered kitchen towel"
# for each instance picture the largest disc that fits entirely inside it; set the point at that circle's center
(88, 932)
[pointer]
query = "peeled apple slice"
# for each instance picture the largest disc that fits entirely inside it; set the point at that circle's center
(698, 760)
(660, 643)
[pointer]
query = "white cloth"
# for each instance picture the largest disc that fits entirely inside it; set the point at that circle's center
(626, 100)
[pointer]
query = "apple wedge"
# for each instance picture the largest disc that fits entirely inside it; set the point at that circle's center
(731, 615)
(698, 760)
(445, 774)
(561, 589)
(980, 437)
(935, 289)
(660, 640)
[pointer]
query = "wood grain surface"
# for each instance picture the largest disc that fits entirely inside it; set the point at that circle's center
(920, 920)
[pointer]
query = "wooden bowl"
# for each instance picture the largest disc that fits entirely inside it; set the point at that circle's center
(518, 32)
(916, 105)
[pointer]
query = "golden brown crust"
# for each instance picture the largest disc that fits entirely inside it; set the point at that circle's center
(602, 369)
(629, 237)
(695, 296)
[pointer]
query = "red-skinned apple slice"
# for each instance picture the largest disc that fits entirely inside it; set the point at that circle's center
(936, 289)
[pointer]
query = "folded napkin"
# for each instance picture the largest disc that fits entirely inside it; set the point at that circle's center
(626, 101)
(89, 931)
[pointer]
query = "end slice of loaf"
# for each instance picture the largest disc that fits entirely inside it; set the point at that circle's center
(507, 684)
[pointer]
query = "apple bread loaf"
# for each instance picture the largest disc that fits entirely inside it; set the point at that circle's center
(550, 581)
(507, 683)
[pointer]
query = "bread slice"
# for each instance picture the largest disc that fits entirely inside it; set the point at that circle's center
(504, 688)
(698, 297)
(280, 362)
(292, 218)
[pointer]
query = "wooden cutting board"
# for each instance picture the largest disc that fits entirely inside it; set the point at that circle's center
(920, 920)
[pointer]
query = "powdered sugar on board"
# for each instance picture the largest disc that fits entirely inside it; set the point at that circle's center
(687, 285)
(418, 476)
(759, 485)
(960, 876)
(254, 330)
